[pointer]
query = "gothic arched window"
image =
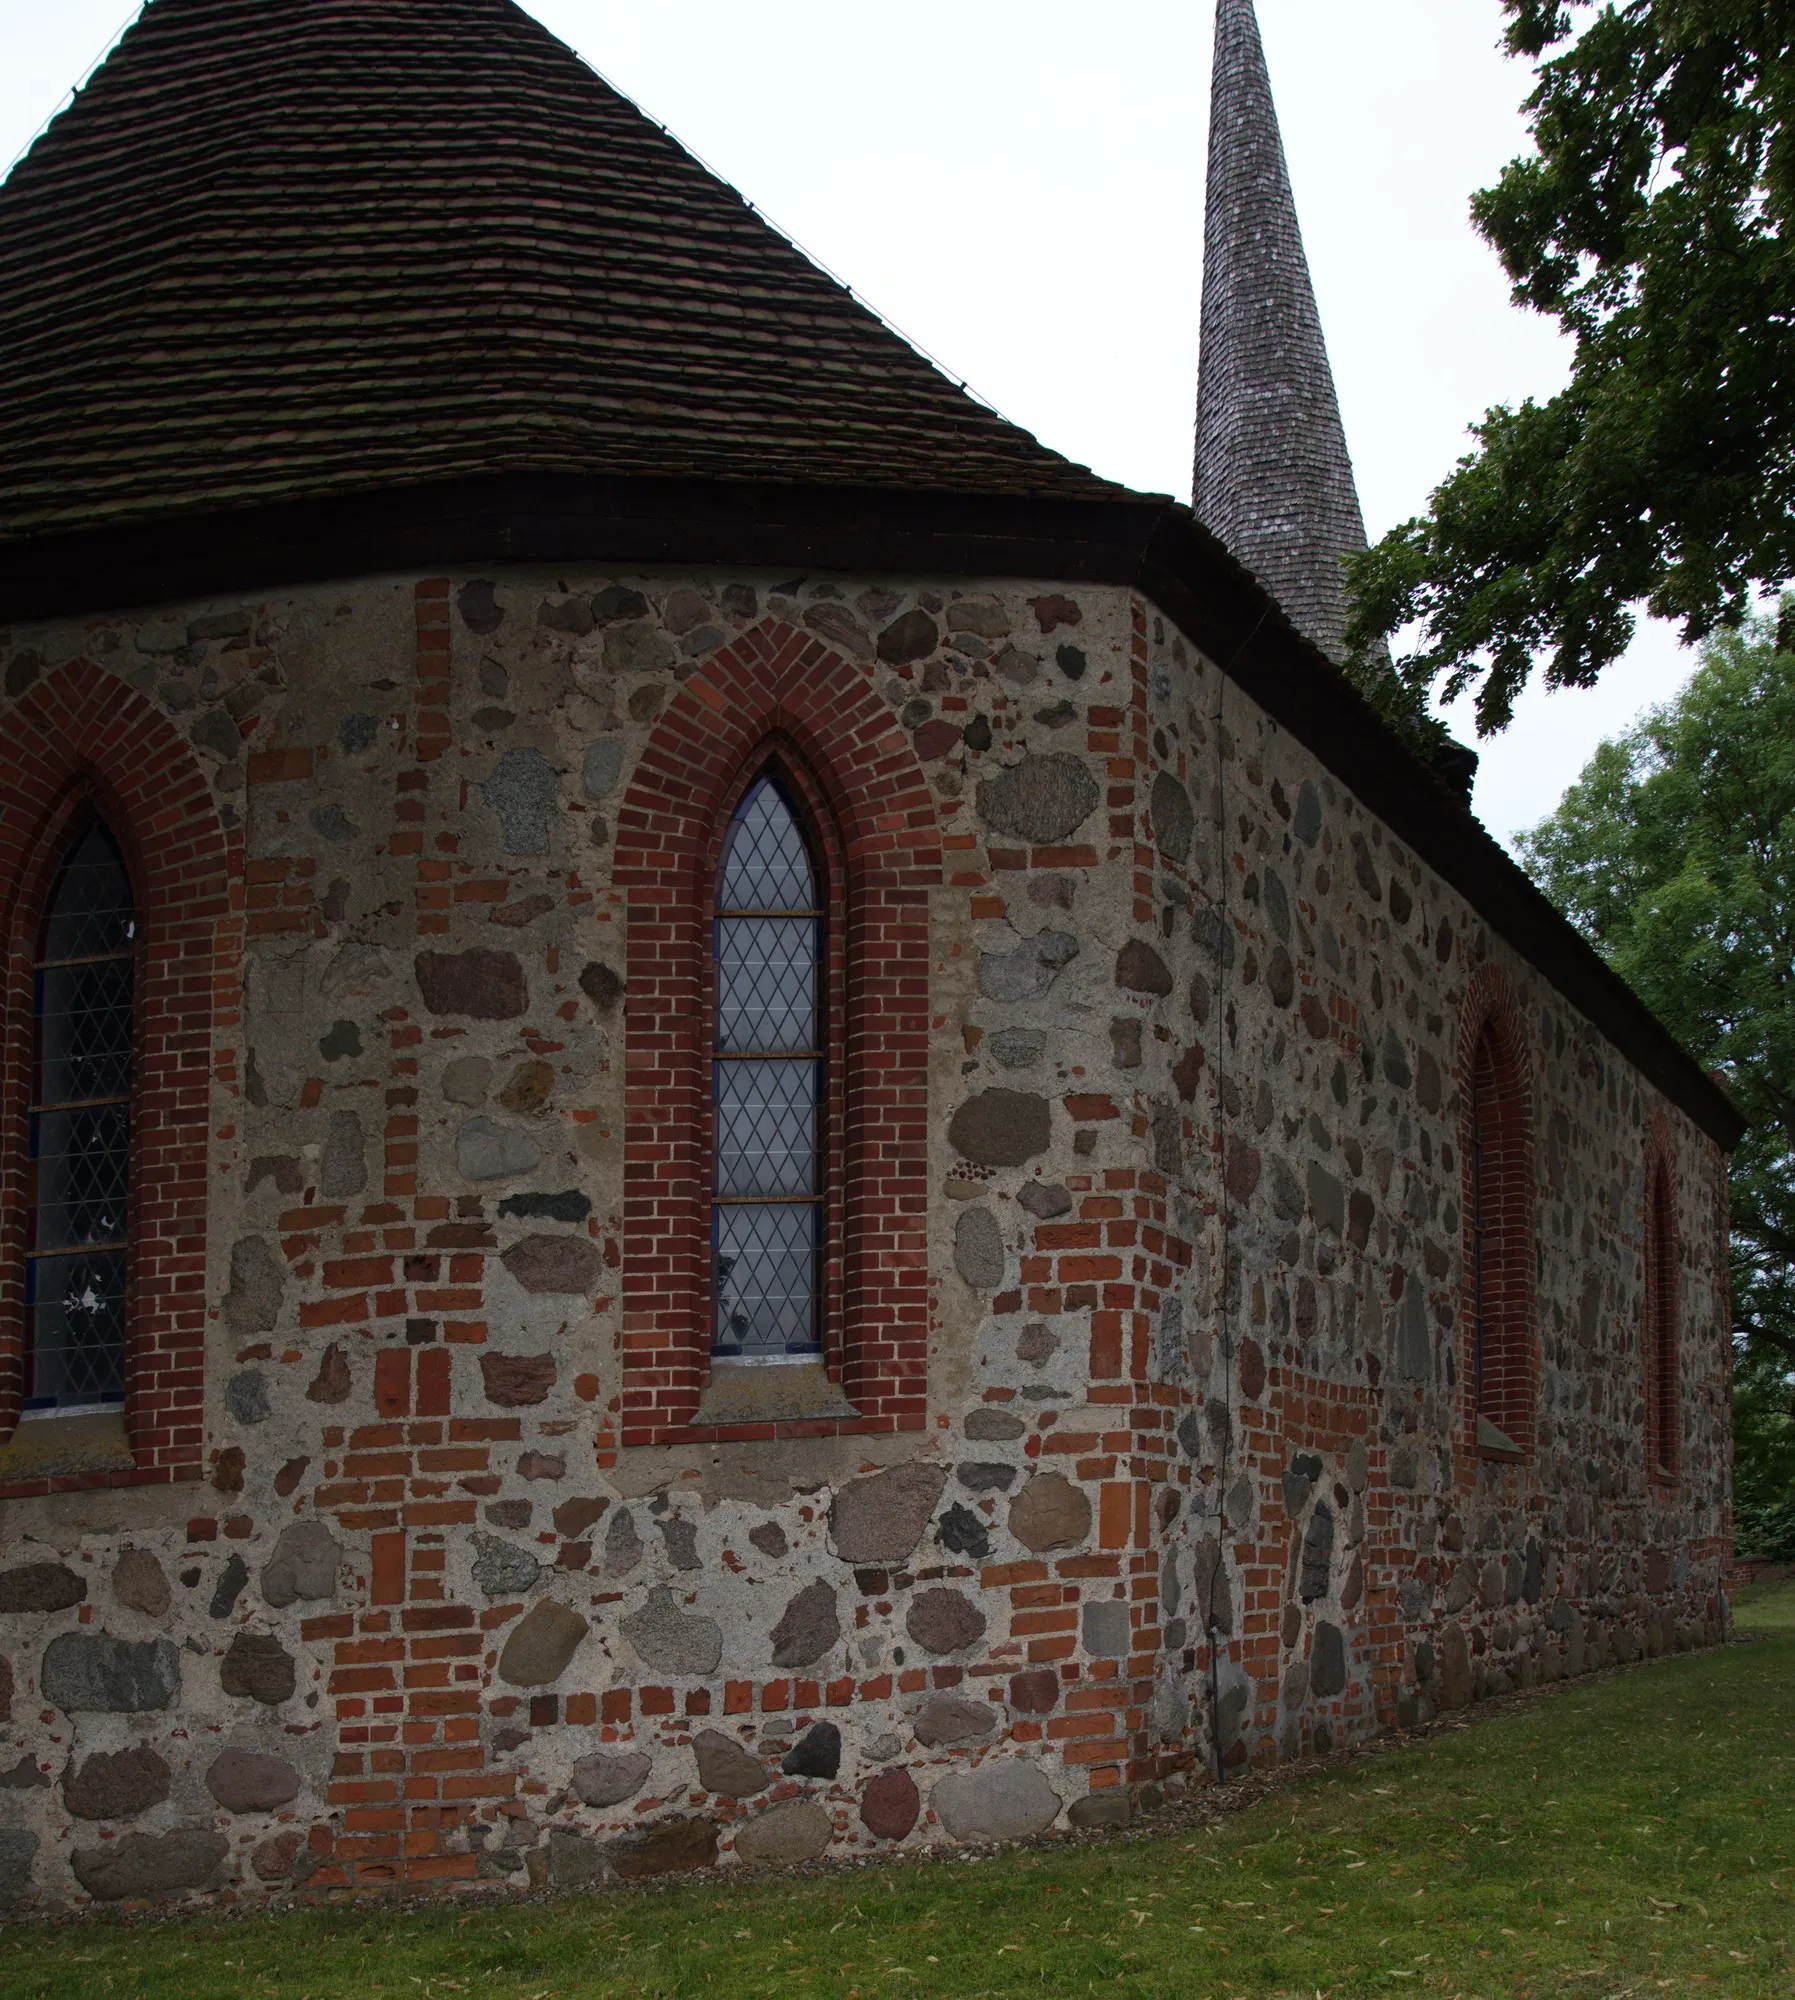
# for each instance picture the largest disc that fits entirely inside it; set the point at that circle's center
(80, 1133)
(1500, 1247)
(766, 1201)
(1661, 1313)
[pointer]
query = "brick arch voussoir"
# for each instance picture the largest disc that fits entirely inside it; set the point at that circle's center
(82, 732)
(1490, 999)
(776, 681)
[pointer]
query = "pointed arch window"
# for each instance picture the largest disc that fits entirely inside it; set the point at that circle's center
(79, 1133)
(767, 1078)
(1662, 1295)
(1499, 1247)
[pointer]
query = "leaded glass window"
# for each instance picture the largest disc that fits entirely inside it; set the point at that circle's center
(768, 1074)
(80, 1136)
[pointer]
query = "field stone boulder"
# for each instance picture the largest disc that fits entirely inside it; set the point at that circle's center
(274, 1859)
(1140, 969)
(1005, 1801)
(246, 1397)
(246, 1781)
(1028, 971)
(481, 985)
(575, 1860)
(798, 1830)
(605, 1779)
(561, 1264)
(890, 1804)
(675, 1848)
(253, 1302)
(540, 1645)
(1001, 1128)
(485, 1150)
(95, 1671)
(673, 1641)
(725, 1767)
(41, 1587)
(18, 1850)
(1107, 1630)
(881, 1518)
(1327, 1662)
(1050, 1513)
(944, 1621)
(515, 1381)
(119, 1785)
(950, 1718)
(989, 1426)
(1174, 822)
(1042, 800)
(149, 1865)
(808, 1627)
(816, 1754)
(978, 1249)
(257, 1666)
(501, 1568)
(304, 1564)
(1454, 1669)
(139, 1584)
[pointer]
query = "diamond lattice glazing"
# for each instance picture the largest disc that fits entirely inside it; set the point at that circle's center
(768, 1084)
(766, 983)
(77, 1314)
(80, 1139)
(766, 1128)
(767, 866)
(766, 1279)
(90, 907)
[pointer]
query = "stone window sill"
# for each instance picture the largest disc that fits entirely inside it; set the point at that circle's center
(78, 1447)
(746, 1392)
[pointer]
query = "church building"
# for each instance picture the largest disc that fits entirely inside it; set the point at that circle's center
(739, 1122)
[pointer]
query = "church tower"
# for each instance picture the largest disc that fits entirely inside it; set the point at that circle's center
(1272, 479)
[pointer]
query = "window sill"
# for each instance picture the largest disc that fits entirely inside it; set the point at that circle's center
(1495, 1444)
(747, 1392)
(95, 1444)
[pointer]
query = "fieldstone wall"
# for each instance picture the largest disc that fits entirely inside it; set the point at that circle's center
(1194, 1361)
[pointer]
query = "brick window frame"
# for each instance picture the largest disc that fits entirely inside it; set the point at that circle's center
(781, 697)
(1495, 1076)
(1661, 1310)
(80, 742)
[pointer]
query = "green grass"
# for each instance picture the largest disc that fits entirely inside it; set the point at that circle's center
(1632, 1836)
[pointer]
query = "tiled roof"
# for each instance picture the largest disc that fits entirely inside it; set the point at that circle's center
(283, 249)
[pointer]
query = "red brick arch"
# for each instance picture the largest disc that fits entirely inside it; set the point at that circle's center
(780, 695)
(78, 740)
(1491, 1027)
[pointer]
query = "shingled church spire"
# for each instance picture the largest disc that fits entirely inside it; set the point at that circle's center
(1273, 478)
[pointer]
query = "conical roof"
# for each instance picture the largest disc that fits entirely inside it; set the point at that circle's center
(282, 249)
(1273, 479)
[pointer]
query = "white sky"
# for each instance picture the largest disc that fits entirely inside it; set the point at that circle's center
(1018, 185)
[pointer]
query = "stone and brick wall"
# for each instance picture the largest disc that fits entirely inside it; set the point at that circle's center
(1145, 1266)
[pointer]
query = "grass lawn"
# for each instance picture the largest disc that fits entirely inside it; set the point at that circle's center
(1634, 1836)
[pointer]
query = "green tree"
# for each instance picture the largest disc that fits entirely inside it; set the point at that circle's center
(1656, 222)
(1674, 854)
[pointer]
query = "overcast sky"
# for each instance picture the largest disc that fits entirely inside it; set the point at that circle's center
(1017, 185)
